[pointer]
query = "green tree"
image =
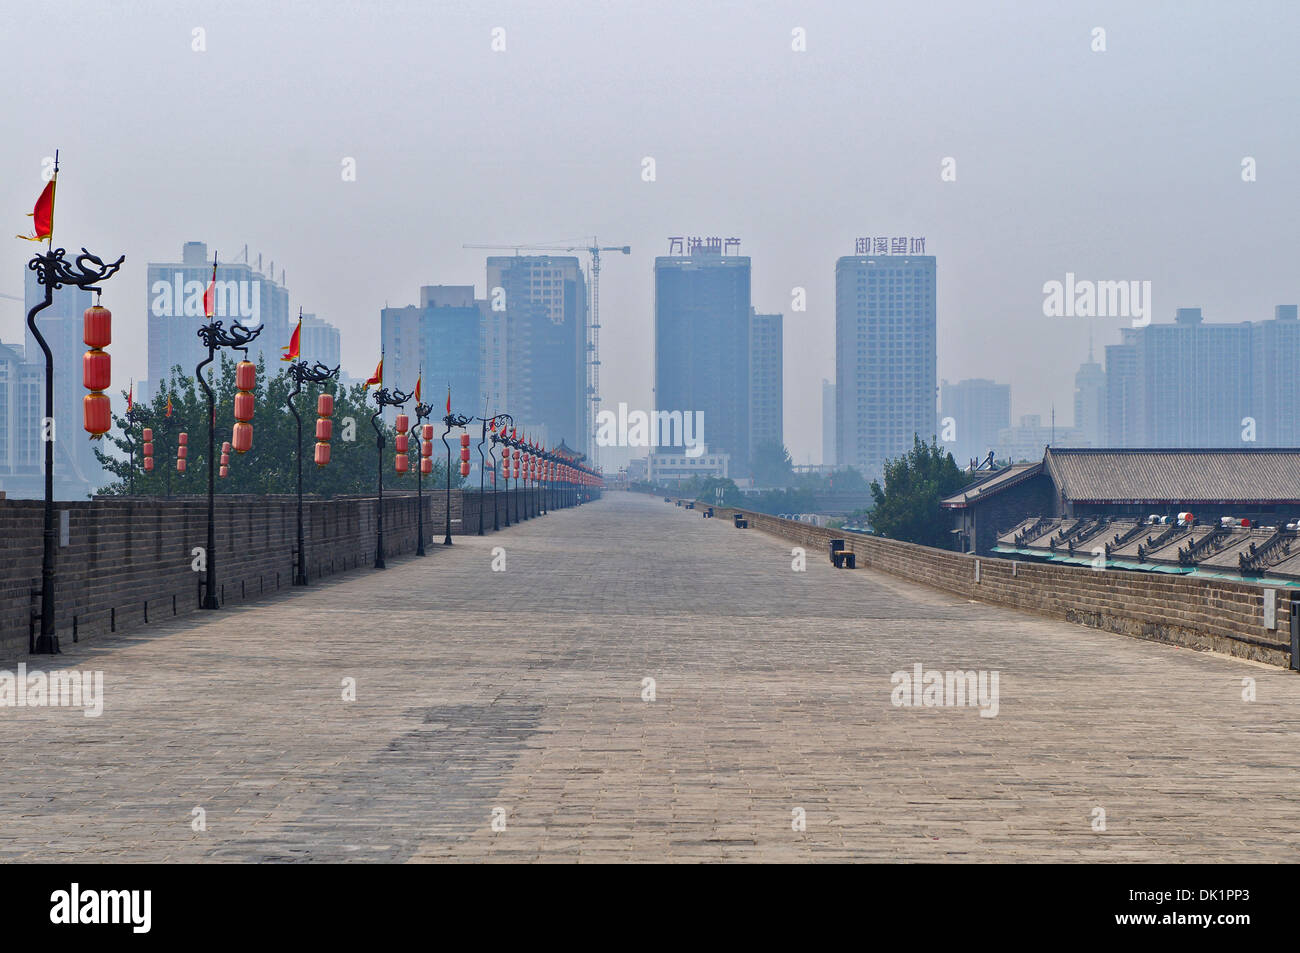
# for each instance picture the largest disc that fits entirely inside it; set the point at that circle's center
(270, 466)
(771, 465)
(908, 506)
(705, 490)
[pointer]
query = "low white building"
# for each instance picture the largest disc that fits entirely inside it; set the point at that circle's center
(674, 464)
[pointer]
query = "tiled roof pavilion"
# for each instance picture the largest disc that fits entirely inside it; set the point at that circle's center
(1248, 475)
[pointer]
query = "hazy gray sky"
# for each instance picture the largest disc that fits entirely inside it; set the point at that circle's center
(1117, 165)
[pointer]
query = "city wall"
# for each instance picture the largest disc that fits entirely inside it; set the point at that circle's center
(1194, 612)
(125, 562)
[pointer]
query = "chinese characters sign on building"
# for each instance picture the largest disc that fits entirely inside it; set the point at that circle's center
(884, 245)
(689, 245)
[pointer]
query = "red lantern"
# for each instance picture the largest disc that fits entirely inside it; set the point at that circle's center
(403, 443)
(403, 464)
(148, 435)
(244, 405)
(97, 327)
(148, 464)
(324, 428)
(464, 440)
(225, 459)
(225, 446)
(180, 465)
(241, 437)
(183, 439)
(98, 412)
(148, 449)
(426, 448)
(464, 469)
(96, 370)
(426, 464)
(182, 453)
(464, 454)
(403, 423)
(325, 405)
(225, 471)
(245, 376)
(322, 454)
(427, 432)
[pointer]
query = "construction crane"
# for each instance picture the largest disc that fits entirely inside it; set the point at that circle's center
(593, 338)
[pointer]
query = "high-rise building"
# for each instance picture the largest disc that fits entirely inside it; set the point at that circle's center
(77, 472)
(1187, 384)
(535, 345)
(702, 352)
(828, 423)
(243, 294)
(1275, 385)
(1122, 420)
(437, 340)
(1090, 412)
(885, 357)
(22, 395)
(973, 412)
(319, 341)
(765, 382)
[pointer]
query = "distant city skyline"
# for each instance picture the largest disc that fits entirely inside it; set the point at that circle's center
(815, 147)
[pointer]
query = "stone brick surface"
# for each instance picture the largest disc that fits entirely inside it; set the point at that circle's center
(521, 693)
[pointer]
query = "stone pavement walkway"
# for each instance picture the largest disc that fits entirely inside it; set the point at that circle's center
(518, 700)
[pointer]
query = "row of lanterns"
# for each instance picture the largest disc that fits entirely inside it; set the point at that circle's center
(403, 442)
(96, 370)
(182, 450)
(241, 437)
(324, 428)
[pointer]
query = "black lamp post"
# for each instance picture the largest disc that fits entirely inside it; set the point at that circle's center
(499, 438)
(513, 444)
(302, 372)
(483, 468)
(451, 420)
(134, 417)
(543, 458)
(164, 430)
(53, 270)
(384, 399)
(422, 412)
(215, 337)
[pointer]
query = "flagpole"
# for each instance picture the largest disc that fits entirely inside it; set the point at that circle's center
(54, 191)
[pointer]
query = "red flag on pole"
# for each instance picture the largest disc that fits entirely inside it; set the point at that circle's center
(418, 379)
(42, 215)
(169, 405)
(210, 296)
(291, 349)
(130, 397)
(379, 375)
(449, 398)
